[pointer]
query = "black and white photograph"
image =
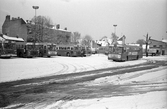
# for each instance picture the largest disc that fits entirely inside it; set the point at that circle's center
(83, 54)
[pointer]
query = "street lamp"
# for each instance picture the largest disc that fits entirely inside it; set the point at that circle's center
(115, 28)
(35, 7)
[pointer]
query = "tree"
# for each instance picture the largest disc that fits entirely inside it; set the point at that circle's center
(141, 42)
(76, 37)
(40, 28)
(86, 40)
(42, 20)
(114, 38)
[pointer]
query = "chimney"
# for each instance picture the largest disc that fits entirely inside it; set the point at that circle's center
(8, 18)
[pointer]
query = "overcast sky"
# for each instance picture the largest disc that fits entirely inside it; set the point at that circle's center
(134, 18)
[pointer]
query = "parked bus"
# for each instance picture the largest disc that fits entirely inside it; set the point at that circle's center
(37, 50)
(47, 49)
(70, 50)
(28, 50)
(125, 52)
(8, 46)
(103, 50)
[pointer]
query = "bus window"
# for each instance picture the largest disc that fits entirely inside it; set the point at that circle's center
(117, 49)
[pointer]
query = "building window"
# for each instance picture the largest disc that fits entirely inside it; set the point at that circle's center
(160, 46)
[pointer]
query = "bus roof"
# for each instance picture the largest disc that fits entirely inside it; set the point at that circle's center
(39, 43)
(124, 45)
(68, 45)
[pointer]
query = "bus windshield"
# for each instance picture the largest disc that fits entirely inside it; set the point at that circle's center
(51, 47)
(117, 49)
(8, 45)
(30, 47)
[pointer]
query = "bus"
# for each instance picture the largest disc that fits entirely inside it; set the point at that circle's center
(8, 46)
(70, 50)
(28, 50)
(47, 49)
(125, 52)
(37, 50)
(103, 50)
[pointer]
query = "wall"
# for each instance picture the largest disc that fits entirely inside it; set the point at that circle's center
(15, 27)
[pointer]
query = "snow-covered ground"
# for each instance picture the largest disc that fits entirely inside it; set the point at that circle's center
(19, 68)
(23, 68)
(150, 100)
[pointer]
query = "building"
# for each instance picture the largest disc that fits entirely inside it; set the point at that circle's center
(17, 27)
(159, 46)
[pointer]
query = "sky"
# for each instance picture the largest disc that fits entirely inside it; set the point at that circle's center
(134, 18)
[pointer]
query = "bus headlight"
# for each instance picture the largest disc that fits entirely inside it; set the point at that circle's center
(110, 55)
(118, 56)
(49, 52)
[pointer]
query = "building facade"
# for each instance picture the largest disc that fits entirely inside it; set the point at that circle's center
(160, 47)
(17, 27)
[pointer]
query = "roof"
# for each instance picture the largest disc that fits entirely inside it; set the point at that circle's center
(157, 40)
(62, 30)
(164, 40)
(12, 38)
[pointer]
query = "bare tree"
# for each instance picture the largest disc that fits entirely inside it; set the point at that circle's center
(42, 20)
(76, 37)
(39, 30)
(87, 40)
(114, 38)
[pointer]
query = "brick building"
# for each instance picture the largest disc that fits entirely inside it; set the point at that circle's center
(17, 27)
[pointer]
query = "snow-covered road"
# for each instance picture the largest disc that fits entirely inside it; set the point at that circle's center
(23, 68)
(146, 89)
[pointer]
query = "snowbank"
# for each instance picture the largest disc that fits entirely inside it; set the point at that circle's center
(151, 100)
(159, 58)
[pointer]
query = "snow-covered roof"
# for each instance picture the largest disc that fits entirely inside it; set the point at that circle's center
(62, 30)
(12, 38)
(164, 40)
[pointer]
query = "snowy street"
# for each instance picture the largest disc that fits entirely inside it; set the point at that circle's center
(23, 68)
(83, 83)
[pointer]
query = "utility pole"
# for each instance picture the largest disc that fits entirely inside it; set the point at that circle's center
(147, 43)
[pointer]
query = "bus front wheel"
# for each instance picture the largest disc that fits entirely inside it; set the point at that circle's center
(68, 54)
(127, 58)
(137, 57)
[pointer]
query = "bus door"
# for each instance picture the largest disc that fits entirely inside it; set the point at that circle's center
(7, 49)
(124, 53)
(76, 51)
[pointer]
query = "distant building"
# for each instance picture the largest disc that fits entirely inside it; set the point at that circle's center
(159, 46)
(104, 41)
(121, 40)
(17, 27)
